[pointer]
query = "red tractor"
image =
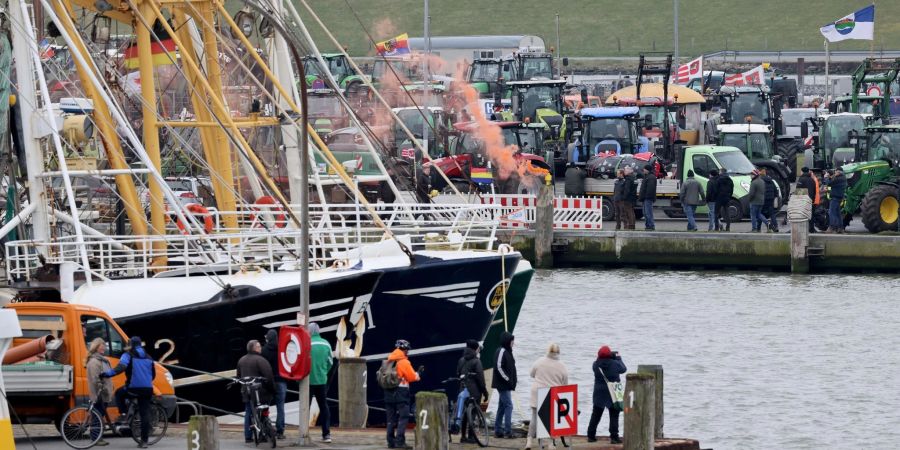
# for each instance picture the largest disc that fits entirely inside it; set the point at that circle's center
(513, 168)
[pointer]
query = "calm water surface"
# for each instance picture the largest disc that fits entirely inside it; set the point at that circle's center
(751, 360)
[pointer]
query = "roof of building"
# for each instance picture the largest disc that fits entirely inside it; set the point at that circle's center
(479, 42)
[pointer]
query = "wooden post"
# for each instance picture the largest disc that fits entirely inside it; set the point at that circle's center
(799, 240)
(352, 408)
(432, 421)
(657, 372)
(543, 226)
(640, 405)
(203, 433)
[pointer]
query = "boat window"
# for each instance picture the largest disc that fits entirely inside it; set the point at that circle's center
(98, 327)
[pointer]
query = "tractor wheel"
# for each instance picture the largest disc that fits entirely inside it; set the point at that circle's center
(607, 209)
(789, 151)
(820, 218)
(880, 207)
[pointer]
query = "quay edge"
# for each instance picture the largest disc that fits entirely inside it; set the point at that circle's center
(743, 251)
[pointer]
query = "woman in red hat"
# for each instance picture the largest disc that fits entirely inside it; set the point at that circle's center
(607, 368)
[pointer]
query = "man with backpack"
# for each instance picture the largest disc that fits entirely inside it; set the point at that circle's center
(139, 374)
(394, 377)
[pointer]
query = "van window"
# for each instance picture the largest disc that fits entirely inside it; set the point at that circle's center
(98, 327)
(702, 165)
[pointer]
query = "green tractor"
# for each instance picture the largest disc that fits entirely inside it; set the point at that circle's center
(540, 102)
(758, 144)
(489, 75)
(873, 183)
(350, 83)
(830, 138)
(874, 77)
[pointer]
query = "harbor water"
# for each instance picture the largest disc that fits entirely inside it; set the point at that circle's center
(752, 360)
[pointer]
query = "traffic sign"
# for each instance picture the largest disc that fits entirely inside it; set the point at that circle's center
(557, 411)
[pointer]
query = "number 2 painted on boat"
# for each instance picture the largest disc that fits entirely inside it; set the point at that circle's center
(164, 359)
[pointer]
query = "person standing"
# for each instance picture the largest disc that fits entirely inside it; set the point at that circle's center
(504, 381)
(757, 198)
(471, 375)
(805, 181)
(712, 193)
(607, 368)
(647, 196)
(254, 365)
(321, 356)
(630, 197)
(139, 374)
(100, 388)
(724, 191)
(769, 201)
(548, 371)
(270, 352)
(691, 195)
(619, 198)
(575, 180)
(838, 185)
(398, 399)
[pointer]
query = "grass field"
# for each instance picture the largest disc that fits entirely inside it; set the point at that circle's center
(612, 27)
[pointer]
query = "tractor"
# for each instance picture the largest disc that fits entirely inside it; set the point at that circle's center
(350, 83)
(540, 102)
(758, 144)
(485, 76)
(829, 139)
(608, 131)
(488, 75)
(874, 77)
(754, 104)
(873, 182)
(326, 113)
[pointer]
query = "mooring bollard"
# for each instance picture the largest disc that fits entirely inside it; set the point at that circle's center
(657, 372)
(431, 421)
(640, 406)
(799, 211)
(353, 411)
(543, 225)
(203, 433)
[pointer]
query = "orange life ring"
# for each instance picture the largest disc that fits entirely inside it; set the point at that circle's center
(197, 209)
(280, 216)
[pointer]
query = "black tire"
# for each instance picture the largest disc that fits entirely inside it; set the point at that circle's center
(674, 213)
(735, 211)
(158, 424)
(461, 186)
(788, 150)
(607, 209)
(820, 218)
(478, 426)
(76, 427)
(879, 208)
(269, 431)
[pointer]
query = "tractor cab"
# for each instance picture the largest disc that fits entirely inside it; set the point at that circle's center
(609, 130)
(757, 142)
(528, 65)
(485, 76)
(832, 139)
(539, 102)
(349, 82)
(867, 104)
(744, 104)
(415, 120)
(882, 143)
(326, 113)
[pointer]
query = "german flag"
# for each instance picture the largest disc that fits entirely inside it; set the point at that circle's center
(163, 54)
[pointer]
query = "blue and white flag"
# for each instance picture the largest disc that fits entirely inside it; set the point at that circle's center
(859, 25)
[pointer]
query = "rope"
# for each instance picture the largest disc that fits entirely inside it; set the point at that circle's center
(799, 208)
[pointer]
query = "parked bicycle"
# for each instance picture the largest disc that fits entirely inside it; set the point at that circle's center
(474, 424)
(261, 425)
(82, 426)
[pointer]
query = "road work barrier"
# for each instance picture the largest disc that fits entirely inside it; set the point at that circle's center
(519, 211)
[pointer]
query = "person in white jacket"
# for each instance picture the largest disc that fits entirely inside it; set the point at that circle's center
(548, 371)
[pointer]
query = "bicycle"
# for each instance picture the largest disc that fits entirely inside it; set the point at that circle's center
(260, 424)
(473, 421)
(82, 426)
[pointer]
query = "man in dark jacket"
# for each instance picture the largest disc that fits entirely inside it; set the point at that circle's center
(270, 352)
(712, 192)
(769, 199)
(471, 375)
(805, 181)
(139, 374)
(607, 368)
(838, 184)
(630, 197)
(619, 198)
(254, 365)
(575, 180)
(724, 191)
(504, 381)
(647, 195)
(757, 199)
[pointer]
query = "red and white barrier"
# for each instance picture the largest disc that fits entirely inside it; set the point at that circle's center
(569, 213)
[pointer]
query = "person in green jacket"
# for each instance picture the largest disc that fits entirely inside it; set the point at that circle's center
(320, 353)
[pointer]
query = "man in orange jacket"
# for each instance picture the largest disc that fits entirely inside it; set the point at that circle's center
(397, 400)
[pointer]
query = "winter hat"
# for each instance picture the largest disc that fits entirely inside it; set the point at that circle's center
(690, 174)
(313, 329)
(473, 344)
(135, 341)
(604, 352)
(271, 335)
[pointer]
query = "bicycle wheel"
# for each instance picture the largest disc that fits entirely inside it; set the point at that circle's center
(269, 431)
(158, 424)
(81, 427)
(478, 426)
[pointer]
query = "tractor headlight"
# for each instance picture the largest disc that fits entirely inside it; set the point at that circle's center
(745, 185)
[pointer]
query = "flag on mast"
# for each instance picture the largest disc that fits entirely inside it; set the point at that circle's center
(857, 25)
(394, 47)
(753, 77)
(689, 71)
